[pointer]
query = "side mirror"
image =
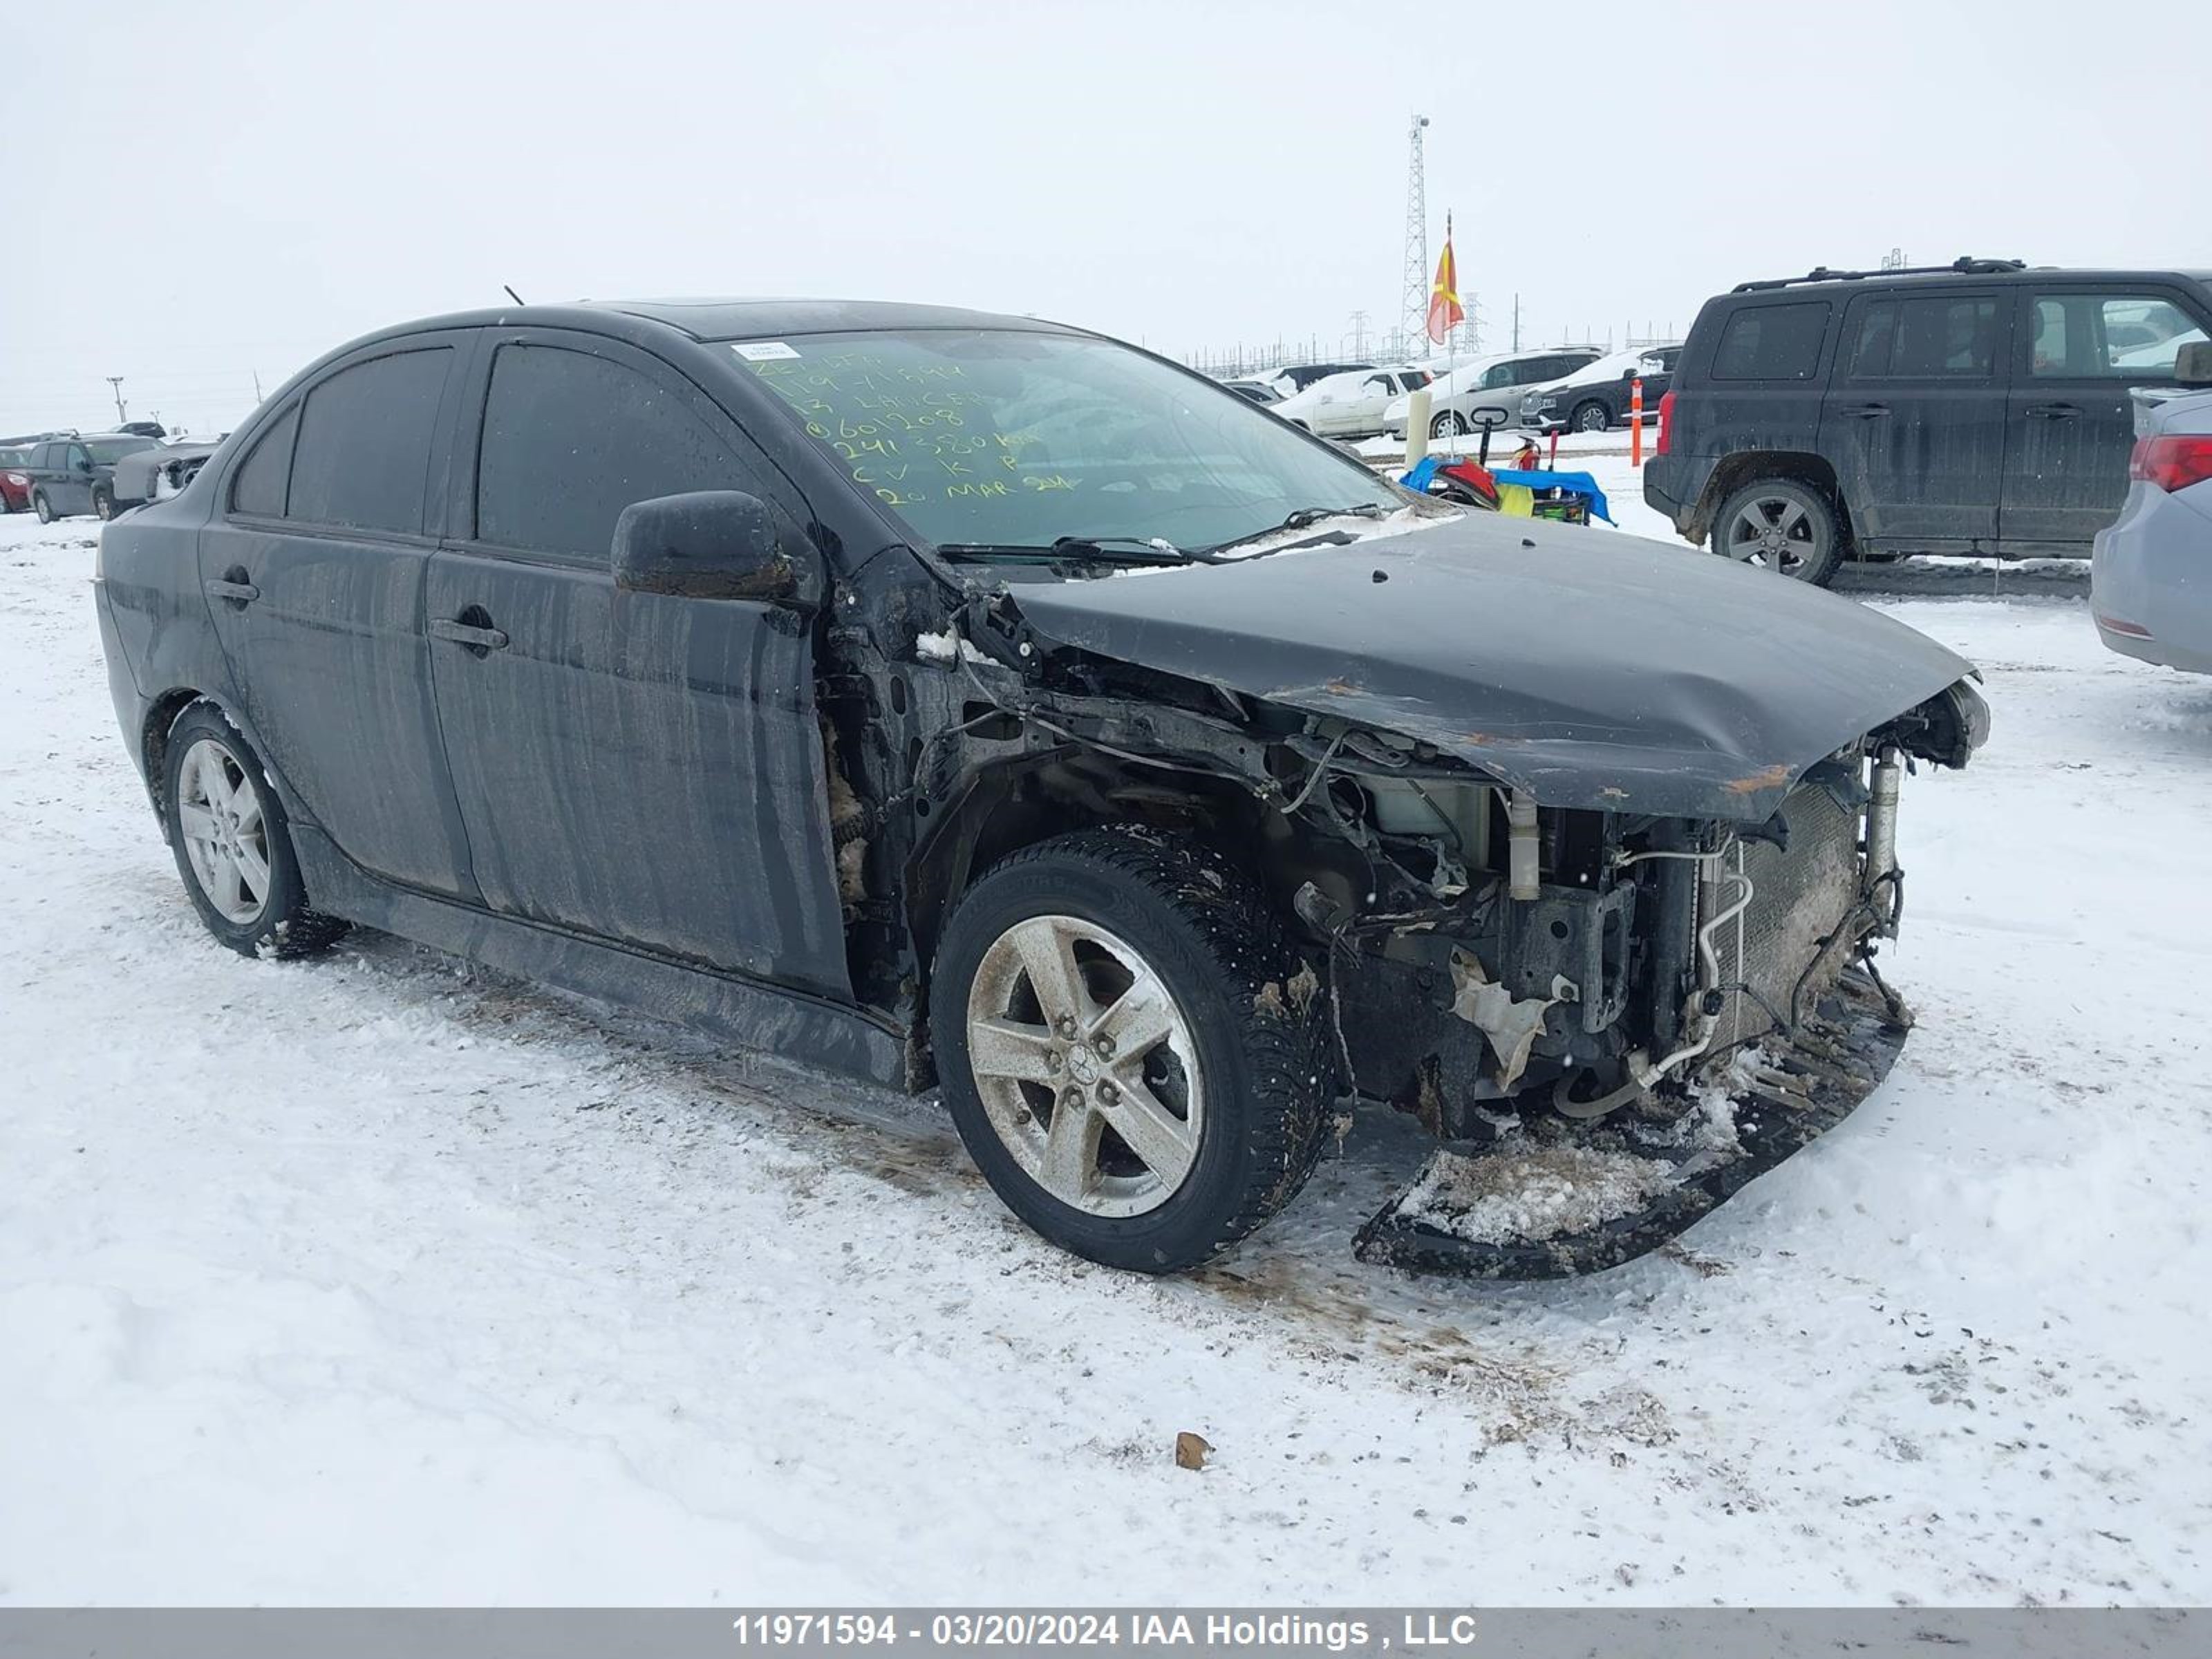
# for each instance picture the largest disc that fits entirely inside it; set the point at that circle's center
(2192, 366)
(82, 463)
(711, 544)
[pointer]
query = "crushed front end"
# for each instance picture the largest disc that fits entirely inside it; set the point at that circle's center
(1612, 1021)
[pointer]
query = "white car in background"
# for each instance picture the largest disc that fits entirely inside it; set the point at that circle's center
(1496, 383)
(1350, 404)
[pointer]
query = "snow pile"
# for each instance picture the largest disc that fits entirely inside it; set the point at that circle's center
(947, 646)
(378, 1279)
(1531, 1194)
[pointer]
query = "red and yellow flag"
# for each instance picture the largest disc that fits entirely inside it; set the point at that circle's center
(1444, 313)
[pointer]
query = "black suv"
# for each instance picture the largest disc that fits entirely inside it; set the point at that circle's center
(77, 475)
(1979, 407)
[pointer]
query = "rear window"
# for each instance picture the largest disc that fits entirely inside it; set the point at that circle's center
(364, 444)
(1772, 343)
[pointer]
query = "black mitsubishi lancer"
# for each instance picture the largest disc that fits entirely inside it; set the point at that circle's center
(974, 703)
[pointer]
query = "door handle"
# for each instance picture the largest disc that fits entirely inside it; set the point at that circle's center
(239, 593)
(461, 633)
(1866, 411)
(2053, 411)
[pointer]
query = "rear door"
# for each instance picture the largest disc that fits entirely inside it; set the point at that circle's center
(314, 569)
(2072, 422)
(1914, 422)
(1361, 412)
(645, 769)
(71, 489)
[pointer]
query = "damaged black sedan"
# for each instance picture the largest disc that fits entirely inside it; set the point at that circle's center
(968, 701)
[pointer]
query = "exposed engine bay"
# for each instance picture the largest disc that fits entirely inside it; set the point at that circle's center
(1514, 972)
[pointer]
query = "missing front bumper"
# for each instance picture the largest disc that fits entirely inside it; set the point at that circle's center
(1565, 1198)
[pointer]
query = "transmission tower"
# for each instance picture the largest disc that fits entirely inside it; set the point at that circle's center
(1413, 307)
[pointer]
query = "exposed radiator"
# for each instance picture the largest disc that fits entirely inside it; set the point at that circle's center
(1803, 896)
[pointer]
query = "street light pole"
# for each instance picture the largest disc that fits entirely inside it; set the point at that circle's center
(121, 413)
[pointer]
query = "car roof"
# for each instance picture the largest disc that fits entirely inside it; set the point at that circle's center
(1821, 286)
(739, 318)
(710, 319)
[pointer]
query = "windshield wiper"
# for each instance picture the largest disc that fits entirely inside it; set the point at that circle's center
(1160, 550)
(1305, 517)
(1121, 550)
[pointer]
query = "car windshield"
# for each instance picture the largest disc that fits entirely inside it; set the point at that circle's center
(108, 451)
(1001, 439)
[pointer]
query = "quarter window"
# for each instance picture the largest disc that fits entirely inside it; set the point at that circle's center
(259, 489)
(570, 440)
(1772, 343)
(364, 451)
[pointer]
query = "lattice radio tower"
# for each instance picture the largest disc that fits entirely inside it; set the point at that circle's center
(1413, 307)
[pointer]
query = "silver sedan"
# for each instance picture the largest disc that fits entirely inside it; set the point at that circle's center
(2151, 581)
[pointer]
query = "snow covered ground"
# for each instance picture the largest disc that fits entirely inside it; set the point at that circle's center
(378, 1279)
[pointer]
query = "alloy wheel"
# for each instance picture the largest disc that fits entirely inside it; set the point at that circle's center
(1086, 1066)
(1775, 532)
(226, 838)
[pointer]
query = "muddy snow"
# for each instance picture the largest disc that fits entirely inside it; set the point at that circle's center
(380, 1280)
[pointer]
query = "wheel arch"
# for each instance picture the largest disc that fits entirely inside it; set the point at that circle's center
(154, 743)
(1747, 466)
(1023, 799)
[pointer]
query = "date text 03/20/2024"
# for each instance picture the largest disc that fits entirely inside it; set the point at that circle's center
(1014, 1629)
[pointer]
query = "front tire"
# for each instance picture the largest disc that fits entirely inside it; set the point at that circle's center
(1131, 1048)
(1449, 424)
(103, 505)
(1782, 526)
(233, 845)
(1590, 418)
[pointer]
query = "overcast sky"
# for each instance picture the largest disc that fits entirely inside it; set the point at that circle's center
(203, 191)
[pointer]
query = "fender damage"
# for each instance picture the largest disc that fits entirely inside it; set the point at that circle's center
(1592, 840)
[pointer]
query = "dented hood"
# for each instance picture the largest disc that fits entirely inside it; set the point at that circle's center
(1594, 670)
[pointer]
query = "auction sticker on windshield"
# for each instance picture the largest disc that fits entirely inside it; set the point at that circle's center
(761, 351)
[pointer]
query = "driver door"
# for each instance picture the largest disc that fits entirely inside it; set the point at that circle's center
(645, 768)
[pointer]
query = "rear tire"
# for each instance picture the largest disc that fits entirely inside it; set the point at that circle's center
(1782, 526)
(1449, 424)
(42, 507)
(1154, 1149)
(233, 843)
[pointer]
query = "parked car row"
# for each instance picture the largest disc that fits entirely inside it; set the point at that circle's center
(63, 476)
(60, 475)
(1488, 392)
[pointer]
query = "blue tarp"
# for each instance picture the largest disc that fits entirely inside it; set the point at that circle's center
(1575, 484)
